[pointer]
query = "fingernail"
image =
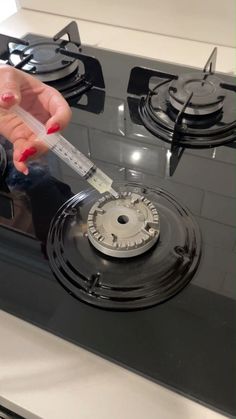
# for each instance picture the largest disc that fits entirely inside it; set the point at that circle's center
(27, 153)
(7, 97)
(54, 128)
(26, 171)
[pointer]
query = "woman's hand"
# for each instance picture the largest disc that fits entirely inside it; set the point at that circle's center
(42, 101)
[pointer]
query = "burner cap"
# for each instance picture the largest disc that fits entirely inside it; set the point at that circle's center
(208, 96)
(123, 227)
(47, 63)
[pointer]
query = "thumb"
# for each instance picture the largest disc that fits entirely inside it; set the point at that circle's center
(9, 87)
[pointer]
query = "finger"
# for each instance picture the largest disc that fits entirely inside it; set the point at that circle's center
(25, 150)
(19, 147)
(59, 110)
(26, 144)
(12, 127)
(9, 87)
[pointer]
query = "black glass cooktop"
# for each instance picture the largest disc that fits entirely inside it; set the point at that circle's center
(186, 342)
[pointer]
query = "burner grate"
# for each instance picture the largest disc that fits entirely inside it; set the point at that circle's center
(58, 62)
(195, 110)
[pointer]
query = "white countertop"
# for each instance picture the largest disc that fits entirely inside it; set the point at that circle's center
(44, 376)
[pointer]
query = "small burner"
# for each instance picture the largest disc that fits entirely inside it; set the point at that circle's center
(123, 227)
(59, 61)
(44, 59)
(208, 96)
(81, 263)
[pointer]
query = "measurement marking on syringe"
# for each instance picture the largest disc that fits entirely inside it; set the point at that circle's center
(67, 152)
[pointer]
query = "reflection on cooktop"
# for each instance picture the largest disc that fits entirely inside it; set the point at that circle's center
(184, 334)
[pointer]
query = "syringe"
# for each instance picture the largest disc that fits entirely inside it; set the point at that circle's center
(68, 153)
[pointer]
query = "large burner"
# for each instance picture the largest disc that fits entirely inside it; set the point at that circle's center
(124, 283)
(208, 96)
(123, 227)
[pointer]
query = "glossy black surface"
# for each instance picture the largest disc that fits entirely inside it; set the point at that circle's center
(188, 342)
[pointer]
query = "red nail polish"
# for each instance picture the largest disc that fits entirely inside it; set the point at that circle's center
(7, 97)
(27, 153)
(54, 128)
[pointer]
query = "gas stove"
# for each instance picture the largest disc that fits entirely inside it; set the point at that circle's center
(145, 280)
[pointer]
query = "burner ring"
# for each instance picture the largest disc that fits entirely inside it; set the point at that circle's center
(123, 227)
(208, 96)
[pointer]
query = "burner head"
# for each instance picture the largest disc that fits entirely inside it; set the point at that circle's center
(123, 227)
(208, 96)
(44, 59)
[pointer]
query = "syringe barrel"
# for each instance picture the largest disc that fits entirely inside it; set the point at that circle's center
(58, 144)
(67, 152)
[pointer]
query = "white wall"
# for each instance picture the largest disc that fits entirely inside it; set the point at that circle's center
(210, 21)
(7, 8)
